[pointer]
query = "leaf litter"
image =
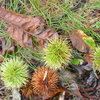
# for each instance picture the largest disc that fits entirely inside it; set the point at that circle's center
(22, 29)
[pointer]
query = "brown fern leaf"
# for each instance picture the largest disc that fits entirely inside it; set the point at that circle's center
(45, 82)
(21, 28)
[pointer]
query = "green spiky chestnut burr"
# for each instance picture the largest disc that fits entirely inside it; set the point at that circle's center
(57, 52)
(14, 72)
(96, 58)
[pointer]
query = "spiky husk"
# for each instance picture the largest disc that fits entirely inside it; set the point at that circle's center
(57, 52)
(14, 72)
(44, 81)
(27, 90)
(96, 58)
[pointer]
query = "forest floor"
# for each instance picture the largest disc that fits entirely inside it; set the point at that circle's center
(62, 18)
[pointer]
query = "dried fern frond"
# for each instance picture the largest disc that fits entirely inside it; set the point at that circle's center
(44, 81)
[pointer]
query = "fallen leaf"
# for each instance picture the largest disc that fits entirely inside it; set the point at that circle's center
(75, 89)
(88, 58)
(68, 74)
(81, 41)
(82, 69)
(87, 67)
(21, 28)
(53, 93)
(92, 80)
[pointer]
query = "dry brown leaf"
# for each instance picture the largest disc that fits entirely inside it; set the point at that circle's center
(75, 89)
(54, 92)
(78, 42)
(88, 57)
(21, 28)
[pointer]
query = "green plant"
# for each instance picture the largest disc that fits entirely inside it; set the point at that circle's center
(57, 52)
(14, 72)
(96, 58)
(97, 24)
